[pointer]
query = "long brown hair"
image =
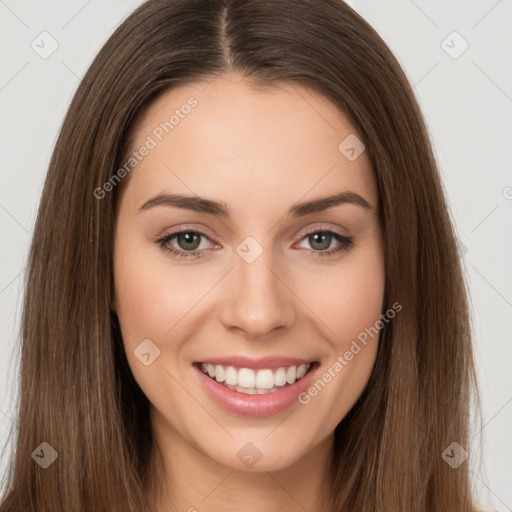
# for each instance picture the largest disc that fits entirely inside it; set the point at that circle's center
(77, 393)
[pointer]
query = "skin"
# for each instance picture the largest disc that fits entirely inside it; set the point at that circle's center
(259, 152)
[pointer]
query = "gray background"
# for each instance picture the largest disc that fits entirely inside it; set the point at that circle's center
(467, 102)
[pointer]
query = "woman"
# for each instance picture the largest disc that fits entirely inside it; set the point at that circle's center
(244, 287)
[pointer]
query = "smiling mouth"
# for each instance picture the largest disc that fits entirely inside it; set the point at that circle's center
(256, 382)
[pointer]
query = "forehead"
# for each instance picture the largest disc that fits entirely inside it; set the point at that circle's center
(227, 138)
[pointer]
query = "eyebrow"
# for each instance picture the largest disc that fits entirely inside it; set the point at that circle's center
(202, 205)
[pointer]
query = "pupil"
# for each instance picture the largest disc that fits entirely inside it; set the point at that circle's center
(188, 238)
(324, 237)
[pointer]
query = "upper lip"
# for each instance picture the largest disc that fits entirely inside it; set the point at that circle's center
(256, 364)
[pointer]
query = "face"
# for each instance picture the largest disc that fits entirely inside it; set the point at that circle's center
(220, 266)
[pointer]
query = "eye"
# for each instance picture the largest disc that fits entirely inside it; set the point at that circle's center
(188, 243)
(321, 240)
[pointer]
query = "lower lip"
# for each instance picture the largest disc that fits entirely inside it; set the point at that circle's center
(255, 405)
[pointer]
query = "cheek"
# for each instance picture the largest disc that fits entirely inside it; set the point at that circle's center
(137, 296)
(151, 297)
(148, 305)
(351, 310)
(349, 298)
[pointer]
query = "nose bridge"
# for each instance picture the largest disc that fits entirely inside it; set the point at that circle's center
(257, 300)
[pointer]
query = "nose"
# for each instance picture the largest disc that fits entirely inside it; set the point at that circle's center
(257, 297)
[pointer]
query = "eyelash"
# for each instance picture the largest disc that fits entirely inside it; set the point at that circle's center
(346, 242)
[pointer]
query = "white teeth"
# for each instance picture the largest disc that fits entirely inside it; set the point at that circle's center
(301, 370)
(219, 373)
(265, 379)
(280, 377)
(248, 391)
(231, 376)
(246, 378)
(255, 381)
(291, 374)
